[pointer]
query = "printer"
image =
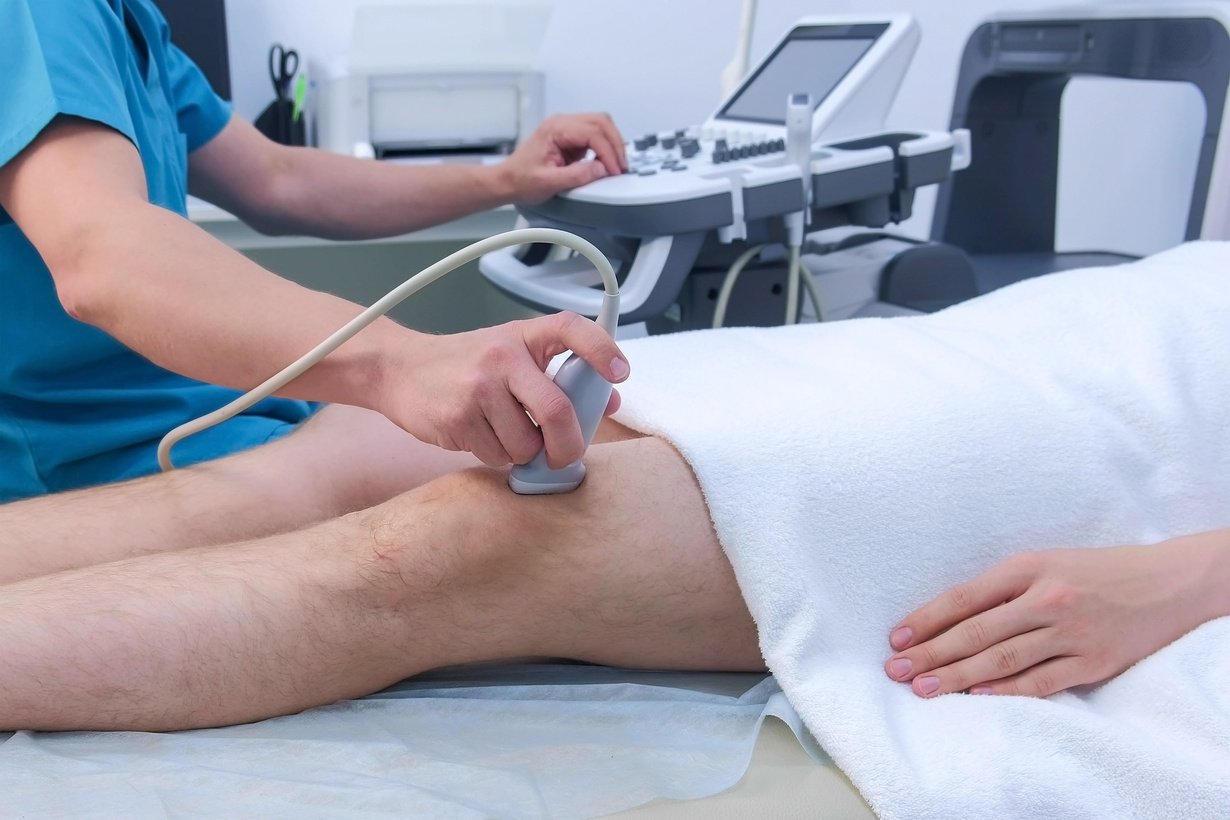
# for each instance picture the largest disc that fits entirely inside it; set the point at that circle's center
(433, 79)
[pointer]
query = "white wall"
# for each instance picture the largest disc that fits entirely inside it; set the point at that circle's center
(655, 64)
(649, 63)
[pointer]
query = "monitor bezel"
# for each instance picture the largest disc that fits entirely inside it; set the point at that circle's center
(872, 32)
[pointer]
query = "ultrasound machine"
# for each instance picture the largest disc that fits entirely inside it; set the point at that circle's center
(798, 147)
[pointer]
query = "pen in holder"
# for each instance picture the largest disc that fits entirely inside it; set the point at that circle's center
(282, 120)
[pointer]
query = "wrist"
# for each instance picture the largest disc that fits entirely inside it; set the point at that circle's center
(374, 369)
(500, 181)
(1208, 554)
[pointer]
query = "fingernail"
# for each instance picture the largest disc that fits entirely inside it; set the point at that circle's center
(980, 690)
(928, 685)
(900, 667)
(599, 170)
(900, 638)
(619, 368)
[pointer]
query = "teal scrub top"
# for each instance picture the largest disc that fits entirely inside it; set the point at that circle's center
(76, 406)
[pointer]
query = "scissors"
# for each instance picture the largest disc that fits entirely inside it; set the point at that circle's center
(283, 64)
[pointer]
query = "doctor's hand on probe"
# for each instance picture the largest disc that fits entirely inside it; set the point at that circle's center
(472, 391)
(1041, 622)
(478, 391)
(554, 157)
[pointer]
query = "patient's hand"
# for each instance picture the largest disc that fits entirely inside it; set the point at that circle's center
(1042, 622)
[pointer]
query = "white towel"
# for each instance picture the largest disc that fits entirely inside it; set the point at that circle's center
(854, 471)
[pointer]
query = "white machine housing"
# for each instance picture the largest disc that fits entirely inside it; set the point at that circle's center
(853, 105)
(732, 177)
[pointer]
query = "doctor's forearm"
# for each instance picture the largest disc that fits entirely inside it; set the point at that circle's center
(283, 190)
(194, 306)
(321, 194)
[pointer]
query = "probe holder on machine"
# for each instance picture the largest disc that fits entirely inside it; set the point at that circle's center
(700, 195)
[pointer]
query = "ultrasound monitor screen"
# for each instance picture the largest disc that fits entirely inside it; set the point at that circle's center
(198, 27)
(812, 60)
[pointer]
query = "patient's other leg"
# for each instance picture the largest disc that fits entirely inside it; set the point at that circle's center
(626, 570)
(343, 459)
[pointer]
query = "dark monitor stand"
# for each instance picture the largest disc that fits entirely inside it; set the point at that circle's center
(199, 28)
(1001, 210)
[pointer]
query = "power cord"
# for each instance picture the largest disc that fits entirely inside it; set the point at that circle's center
(728, 284)
(797, 273)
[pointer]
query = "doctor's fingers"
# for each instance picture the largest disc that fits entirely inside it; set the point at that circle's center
(1005, 660)
(1005, 581)
(548, 336)
(613, 403)
(575, 134)
(551, 409)
(482, 441)
(606, 125)
(517, 435)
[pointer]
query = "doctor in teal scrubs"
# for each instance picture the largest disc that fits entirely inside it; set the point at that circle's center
(119, 319)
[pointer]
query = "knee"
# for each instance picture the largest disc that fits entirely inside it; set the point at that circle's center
(493, 536)
(459, 532)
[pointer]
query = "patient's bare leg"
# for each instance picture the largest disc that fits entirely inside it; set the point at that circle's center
(344, 459)
(626, 570)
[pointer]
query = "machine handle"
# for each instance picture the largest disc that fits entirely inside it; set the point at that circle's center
(564, 284)
(571, 284)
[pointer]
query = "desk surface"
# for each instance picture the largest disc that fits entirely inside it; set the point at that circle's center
(228, 228)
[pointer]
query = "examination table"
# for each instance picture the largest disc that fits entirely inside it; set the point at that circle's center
(503, 741)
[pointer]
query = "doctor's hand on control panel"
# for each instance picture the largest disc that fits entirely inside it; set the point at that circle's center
(553, 159)
(96, 194)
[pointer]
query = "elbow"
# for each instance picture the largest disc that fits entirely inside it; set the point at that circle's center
(273, 211)
(79, 274)
(266, 214)
(290, 202)
(264, 224)
(80, 298)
